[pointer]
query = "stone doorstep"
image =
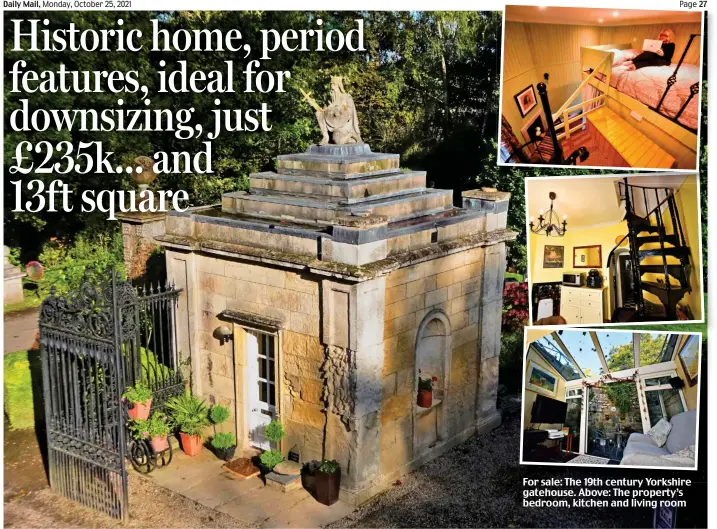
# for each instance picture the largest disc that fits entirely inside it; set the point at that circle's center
(283, 483)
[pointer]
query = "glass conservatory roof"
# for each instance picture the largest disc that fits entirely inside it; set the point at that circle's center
(583, 354)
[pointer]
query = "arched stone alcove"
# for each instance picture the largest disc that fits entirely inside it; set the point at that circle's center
(433, 357)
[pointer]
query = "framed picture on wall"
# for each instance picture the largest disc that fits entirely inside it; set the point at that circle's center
(526, 100)
(540, 380)
(690, 359)
(553, 256)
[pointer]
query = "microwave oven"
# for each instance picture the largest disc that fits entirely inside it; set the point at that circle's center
(573, 280)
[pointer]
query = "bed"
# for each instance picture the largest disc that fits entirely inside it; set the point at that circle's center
(647, 85)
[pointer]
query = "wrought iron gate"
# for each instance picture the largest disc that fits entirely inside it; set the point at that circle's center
(96, 342)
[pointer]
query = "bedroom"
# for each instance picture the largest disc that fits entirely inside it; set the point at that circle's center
(558, 63)
(608, 397)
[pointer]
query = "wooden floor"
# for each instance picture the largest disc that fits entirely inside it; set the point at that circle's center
(632, 145)
(602, 154)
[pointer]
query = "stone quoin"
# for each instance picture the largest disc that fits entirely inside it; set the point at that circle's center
(338, 277)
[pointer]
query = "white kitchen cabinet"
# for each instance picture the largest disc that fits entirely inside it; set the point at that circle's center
(583, 305)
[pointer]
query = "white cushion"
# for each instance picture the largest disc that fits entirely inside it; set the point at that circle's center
(660, 431)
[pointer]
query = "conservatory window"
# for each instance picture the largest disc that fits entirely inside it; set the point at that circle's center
(618, 350)
(663, 401)
(656, 348)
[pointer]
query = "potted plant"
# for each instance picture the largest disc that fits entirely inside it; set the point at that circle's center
(190, 415)
(425, 390)
(328, 482)
(156, 428)
(224, 444)
(273, 431)
(140, 398)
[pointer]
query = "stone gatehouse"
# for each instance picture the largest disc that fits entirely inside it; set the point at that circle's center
(318, 295)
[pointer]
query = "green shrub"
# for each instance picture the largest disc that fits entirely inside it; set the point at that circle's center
(189, 413)
(224, 440)
(139, 393)
(274, 431)
(153, 370)
(511, 359)
(90, 255)
(329, 466)
(17, 380)
(219, 414)
(271, 458)
(155, 425)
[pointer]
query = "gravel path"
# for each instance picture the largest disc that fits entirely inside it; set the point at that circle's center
(150, 506)
(479, 484)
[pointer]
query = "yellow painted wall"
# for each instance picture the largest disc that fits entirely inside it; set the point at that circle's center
(688, 204)
(690, 392)
(518, 73)
(636, 34)
(529, 396)
(530, 50)
(602, 235)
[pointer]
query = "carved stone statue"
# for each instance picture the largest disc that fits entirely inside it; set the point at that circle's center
(338, 118)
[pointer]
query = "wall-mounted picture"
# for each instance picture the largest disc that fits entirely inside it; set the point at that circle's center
(618, 88)
(643, 417)
(553, 256)
(577, 239)
(526, 100)
(690, 359)
(540, 380)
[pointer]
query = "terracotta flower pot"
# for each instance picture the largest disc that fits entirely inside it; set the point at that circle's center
(327, 487)
(425, 398)
(191, 444)
(159, 443)
(140, 410)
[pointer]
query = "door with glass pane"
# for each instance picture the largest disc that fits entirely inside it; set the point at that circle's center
(573, 415)
(261, 360)
(663, 401)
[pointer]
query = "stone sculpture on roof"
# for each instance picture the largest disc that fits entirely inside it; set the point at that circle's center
(338, 120)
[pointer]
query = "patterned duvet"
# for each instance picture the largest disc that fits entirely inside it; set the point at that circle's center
(647, 85)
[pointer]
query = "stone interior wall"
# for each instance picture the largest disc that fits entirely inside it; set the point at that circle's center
(453, 285)
(280, 294)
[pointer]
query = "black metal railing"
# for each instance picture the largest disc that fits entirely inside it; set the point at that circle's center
(92, 346)
(652, 221)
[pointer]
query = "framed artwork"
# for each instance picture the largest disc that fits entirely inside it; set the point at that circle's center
(526, 100)
(553, 256)
(690, 359)
(538, 379)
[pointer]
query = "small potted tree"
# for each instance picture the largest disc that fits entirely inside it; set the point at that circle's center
(156, 428)
(190, 415)
(328, 482)
(273, 431)
(425, 391)
(140, 398)
(224, 444)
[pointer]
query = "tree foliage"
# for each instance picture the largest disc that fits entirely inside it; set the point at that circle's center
(427, 87)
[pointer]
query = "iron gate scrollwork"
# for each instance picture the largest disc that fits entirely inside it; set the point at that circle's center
(94, 343)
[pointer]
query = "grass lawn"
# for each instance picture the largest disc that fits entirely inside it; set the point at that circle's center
(32, 300)
(17, 381)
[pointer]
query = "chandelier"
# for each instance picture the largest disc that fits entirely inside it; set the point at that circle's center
(550, 223)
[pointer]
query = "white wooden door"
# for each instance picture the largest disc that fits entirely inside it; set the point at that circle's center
(261, 360)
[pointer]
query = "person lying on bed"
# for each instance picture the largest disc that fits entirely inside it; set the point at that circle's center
(663, 56)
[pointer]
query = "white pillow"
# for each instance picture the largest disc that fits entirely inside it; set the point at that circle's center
(660, 431)
(621, 56)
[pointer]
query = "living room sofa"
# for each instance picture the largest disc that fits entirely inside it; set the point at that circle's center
(642, 450)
